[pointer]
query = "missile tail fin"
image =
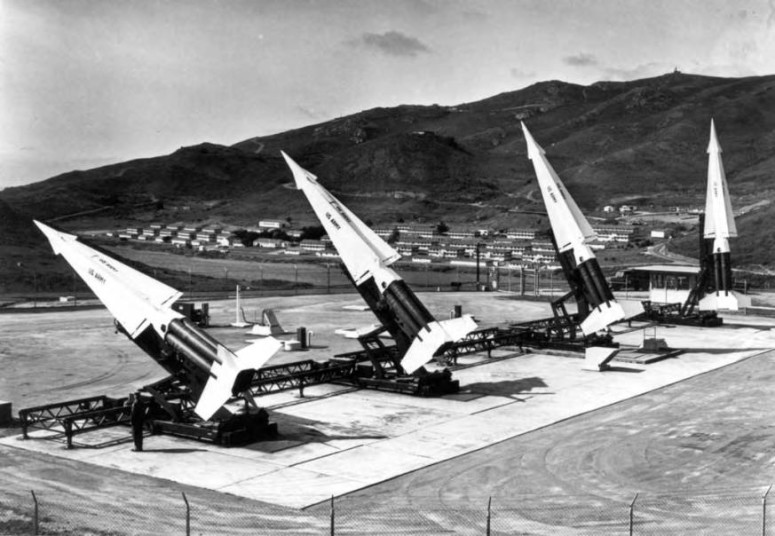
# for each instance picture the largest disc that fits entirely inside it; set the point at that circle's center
(223, 383)
(602, 316)
(432, 337)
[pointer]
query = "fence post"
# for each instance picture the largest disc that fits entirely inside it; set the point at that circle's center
(188, 514)
(521, 280)
(35, 513)
(764, 511)
(489, 512)
(632, 512)
(536, 282)
(332, 515)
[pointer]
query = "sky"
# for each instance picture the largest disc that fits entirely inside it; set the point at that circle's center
(85, 83)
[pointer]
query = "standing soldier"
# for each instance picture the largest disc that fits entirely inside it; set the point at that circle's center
(137, 418)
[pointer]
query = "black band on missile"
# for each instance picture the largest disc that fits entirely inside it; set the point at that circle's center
(190, 353)
(410, 313)
(202, 343)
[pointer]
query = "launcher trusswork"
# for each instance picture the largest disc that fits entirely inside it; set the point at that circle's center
(367, 259)
(142, 308)
(597, 307)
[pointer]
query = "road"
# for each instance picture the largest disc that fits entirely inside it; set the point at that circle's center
(661, 252)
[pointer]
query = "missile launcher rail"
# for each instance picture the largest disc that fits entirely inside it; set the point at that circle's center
(74, 416)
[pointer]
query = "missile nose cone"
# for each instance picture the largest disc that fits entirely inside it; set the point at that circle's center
(713, 146)
(532, 146)
(56, 238)
(300, 175)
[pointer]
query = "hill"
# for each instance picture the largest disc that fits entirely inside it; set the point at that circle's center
(640, 142)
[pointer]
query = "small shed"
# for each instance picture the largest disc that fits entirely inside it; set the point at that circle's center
(667, 283)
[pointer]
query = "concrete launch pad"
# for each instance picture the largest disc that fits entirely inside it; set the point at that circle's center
(338, 439)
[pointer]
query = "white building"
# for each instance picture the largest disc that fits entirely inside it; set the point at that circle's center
(272, 224)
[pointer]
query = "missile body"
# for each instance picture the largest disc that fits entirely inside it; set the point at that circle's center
(367, 259)
(142, 308)
(718, 229)
(597, 306)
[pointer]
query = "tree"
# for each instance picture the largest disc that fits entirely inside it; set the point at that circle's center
(442, 228)
(394, 236)
(314, 232)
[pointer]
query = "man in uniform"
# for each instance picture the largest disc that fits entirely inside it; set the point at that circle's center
(137, 418)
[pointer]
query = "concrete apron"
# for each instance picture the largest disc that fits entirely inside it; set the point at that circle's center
(352, 439)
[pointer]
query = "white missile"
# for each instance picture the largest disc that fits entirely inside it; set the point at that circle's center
(719, 220)
(571, 232)
(368, 258)
(142, 307)
(720, 227)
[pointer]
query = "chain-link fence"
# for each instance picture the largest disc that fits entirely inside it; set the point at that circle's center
(742, 513)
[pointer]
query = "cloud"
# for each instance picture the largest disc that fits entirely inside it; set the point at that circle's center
(644, 70)
(475, 16)
(310, 113)
(580, 60)
(392, 43)
(518, 73)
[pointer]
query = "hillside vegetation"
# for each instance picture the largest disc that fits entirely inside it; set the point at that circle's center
(641, 142)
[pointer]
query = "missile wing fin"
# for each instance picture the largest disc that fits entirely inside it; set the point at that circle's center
(223, 375)
(360, 247)
(424, 347)
(719, 219)
(126, 292)
(255, 355)
(569, 225)
(430, 339)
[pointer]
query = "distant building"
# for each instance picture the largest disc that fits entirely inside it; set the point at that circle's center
(270, 243)
(384, 232)
(461, 234)
(521, 234)
(312, 245)
(484, 233)
(613, 233)
(272, 224)
(666, 283)
(406, 250)
(212, 230)
(422, 231)
(204, 238)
